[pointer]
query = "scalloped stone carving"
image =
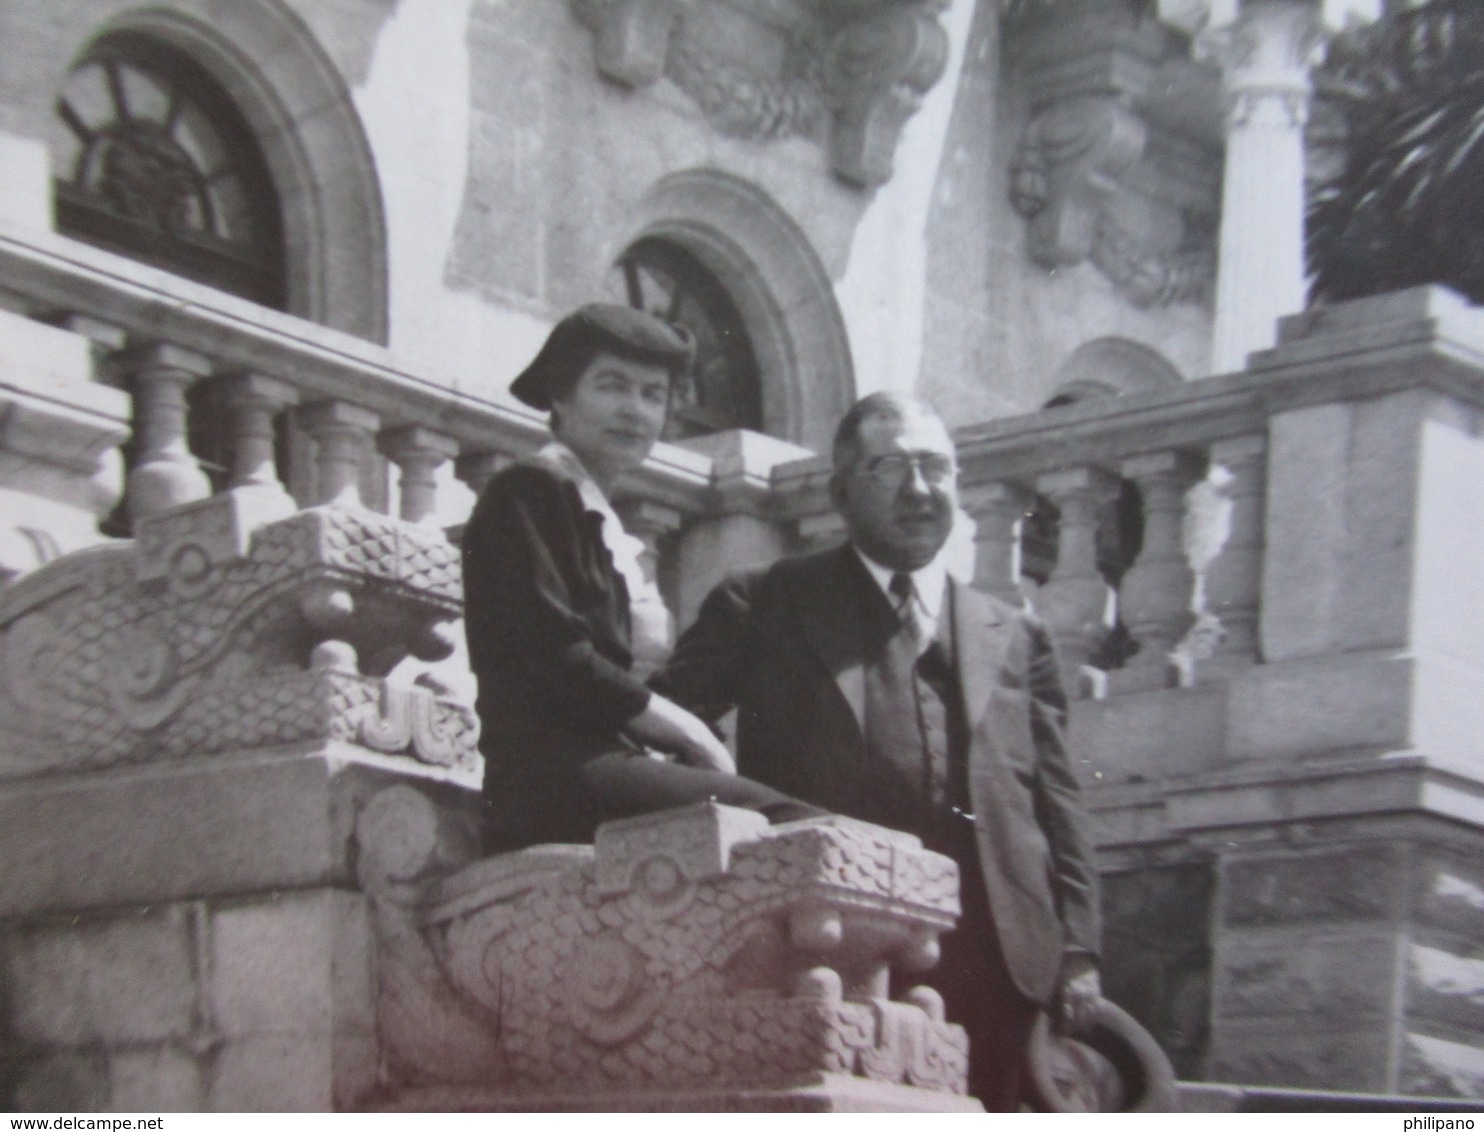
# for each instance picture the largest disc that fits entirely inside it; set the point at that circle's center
(697, 952)
(215, 632)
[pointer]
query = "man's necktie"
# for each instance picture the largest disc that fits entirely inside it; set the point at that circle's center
(905, 594)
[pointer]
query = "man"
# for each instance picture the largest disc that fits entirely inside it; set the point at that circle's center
(869, 682)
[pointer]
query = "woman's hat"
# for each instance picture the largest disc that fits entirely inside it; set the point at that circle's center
(600, 328)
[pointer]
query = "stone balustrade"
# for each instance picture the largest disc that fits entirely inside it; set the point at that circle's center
(1187, 461)
(1258, 585)
(174, 345)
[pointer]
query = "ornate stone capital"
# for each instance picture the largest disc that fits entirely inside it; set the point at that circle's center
(1266, 53)
(849, 76)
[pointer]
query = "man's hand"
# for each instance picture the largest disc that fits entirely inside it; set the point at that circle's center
(1080, 994)
(668, 726)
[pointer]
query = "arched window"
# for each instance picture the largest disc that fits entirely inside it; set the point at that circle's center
(153, 161)
(724, 390)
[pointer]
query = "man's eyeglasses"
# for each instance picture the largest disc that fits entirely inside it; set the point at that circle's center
(893, 469)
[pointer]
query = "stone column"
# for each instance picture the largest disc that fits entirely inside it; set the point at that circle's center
(1155, 595)
(418, 453)
(998, 508)
(341, 432)
(1265, 57)
(1074, 600)
(165, 474)
(253, 399)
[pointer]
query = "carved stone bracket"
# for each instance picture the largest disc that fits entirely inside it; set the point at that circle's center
(1068, 165)
(1119, 163)
(217, 631)
(633, 38)
(876, 71)
(694, 953)
(849, 76)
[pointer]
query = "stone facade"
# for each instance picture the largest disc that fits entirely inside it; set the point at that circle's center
(994, 204)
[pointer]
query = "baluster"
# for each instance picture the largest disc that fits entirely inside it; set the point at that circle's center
(341, 433)
(820, 532)
(418, 453)
(1233, 579)
(165, 474)
(1154, 598)
(478, 468)
(651, 524)
(998, 509)
(254, 400)
(1074, 600)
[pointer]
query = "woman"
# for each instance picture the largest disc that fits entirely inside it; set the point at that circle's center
(571, 737)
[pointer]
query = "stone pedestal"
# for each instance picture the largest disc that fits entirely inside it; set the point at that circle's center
(1323, 788)
(696, 959)
(189, 723)
(1350, 962)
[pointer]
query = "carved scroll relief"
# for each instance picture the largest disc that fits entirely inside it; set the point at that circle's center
(850, 80)
(697, 949)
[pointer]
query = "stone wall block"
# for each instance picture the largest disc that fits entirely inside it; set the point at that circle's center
(1432, 1066)
(1298, 974)
(1359, 882)
(164, 1079)
(1305, 532)
(1445, 987)
(1378, 562)
(290, 972)
(1314, 1055)
(1149, 735)
(278, 966)
(70, 1082)
(187, 831)
(1323, 704)
(272, 1073)
(1451, 897)
(129, 979)
(1156, 956)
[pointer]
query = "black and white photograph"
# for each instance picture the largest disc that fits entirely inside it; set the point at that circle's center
(741, 556)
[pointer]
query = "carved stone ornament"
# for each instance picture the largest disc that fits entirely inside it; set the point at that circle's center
(876, 71)
(214, 633)
(698, 953)
(1067, 180)
(1119, 164)
(847, 75)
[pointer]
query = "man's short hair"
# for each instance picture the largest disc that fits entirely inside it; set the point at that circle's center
(874, 406)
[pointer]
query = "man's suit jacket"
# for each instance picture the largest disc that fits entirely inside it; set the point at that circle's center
(787, 647)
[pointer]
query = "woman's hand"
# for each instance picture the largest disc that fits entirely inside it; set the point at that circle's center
(665, 724)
